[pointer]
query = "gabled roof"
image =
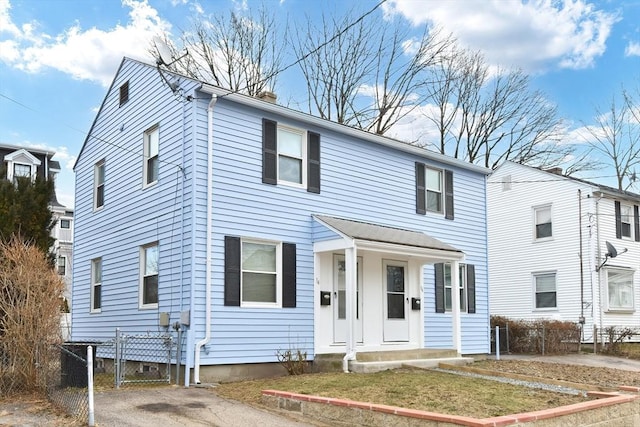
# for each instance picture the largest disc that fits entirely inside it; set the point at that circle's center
(302, 117)
(604, 189)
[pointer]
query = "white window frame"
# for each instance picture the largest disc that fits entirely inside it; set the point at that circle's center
(31, 174)
(303, 159)
(153, 131)
(68, 222)
(534, 279)
(97, 184)
(626, 218)
(278, 273)
(95, 283)
(144, 274)
(536, 211)
(439, 191)
(462, 286)
(620, 308)
(62, 264)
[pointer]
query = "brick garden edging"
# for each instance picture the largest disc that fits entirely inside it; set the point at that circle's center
(610, 408)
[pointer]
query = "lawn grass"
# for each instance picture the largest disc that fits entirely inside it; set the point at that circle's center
(409, 388)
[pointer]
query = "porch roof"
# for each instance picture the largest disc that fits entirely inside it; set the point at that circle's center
(359, 230)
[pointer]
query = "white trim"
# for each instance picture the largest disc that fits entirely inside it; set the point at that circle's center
(303, 158)
(606, 304)
(426, 190)
(278, 274)
(96, 166)
(534, 284)
(155, 129)
(93, 285)
(142, 268)
(535, 210)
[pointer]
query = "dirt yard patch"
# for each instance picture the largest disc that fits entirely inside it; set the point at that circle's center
(33, 411)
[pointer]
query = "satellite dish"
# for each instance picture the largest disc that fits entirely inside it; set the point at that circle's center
(166, 58)
(611, 250)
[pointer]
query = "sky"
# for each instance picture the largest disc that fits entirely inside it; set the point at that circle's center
(58, 57)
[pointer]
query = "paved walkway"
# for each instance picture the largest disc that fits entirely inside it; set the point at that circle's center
(585, 359)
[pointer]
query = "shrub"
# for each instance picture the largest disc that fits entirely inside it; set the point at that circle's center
(294, 361)
(538, 336)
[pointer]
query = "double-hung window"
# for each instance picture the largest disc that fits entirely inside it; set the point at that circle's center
(96, 285)
(21, 171)
(149, 276)
(543, 222)
(260, 273)
(65, 223)
(626, 216)
(150, 167)
(462, 288)
(62, 265)
(620, 289)
(433, 181)
(291, 156)
(545, 290)
(434, 190)
(98, 185)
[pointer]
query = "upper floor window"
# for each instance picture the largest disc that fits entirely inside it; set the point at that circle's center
(65, 223)
(545, 290)
(124, 92)
(21, 171)
(434, 190)
(543, 222)
(149, 276)
(506, 183)
(96, 284)
(151, 156)
(98, 185)
(62, 265)
(290, 156)
(620, 289)
(626, 216)
(627, 221)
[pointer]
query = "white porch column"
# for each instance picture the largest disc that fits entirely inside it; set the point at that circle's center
(351, 271)
(455, 306)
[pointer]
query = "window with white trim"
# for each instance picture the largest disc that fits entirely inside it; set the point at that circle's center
(65, 223)
(21, 171)
(292, 154)
(620, 289)
(62, 265)
(626, 218)
(260, 278)
(151, 163)
(98, 185)
(543, 223)
(96, 285)
(149, 276)
(433, 187)
(545, 290)
(462, 287)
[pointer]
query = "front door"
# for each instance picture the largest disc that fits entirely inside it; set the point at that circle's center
(339, 300)
(396, 302)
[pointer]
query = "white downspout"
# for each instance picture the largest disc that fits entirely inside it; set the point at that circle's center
(456, 325)
(351, 267)
(207, 298)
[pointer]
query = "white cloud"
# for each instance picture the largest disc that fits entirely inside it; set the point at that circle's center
(533, 35)
(632, 49)
(91, 54)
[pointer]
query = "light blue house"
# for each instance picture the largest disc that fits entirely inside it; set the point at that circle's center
(259, 228)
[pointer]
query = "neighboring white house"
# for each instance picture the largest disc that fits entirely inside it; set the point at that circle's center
(33, 162)
(548, 249)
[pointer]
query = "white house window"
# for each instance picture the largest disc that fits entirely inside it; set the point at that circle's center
(21, 171)
(462, 287)
(65, 223)
(62, 265)
(149, 279)
(433, 185)
(543, 222)
(626, 216)
(151, 156)
(292, 149)
(545, 290)
(96, 285)
(98, 185)
(260, 284)
(620, 289)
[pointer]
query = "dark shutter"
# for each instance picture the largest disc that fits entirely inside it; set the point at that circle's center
(288, 275)
(636, 223)
(439, 274)
(269, 152)
(231, 271)
(313, 162)
(471, 288)
(421, 201)
(448, 194)
(618, 221)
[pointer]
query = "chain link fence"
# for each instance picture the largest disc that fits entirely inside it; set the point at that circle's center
(536, 338)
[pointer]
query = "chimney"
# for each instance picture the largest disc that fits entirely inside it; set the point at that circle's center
(555, 171)
(268, 96)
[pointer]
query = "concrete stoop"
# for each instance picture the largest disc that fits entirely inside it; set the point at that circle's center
(370, 367)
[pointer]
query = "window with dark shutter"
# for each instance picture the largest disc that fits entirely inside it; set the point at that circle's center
(636, 223)
(471, 288)
(448, 194)
(618, 220)
(439, 275)
(288, 275)
(313, 162)
(232, 271)
(269, 152)
(421, 202)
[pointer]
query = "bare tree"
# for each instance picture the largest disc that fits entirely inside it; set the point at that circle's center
(616, 135)
(236, 52)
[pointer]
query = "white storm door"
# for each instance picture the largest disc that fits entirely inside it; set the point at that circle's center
(339, 301)
(396, 302)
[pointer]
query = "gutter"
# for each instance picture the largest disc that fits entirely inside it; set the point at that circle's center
(207, 298)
